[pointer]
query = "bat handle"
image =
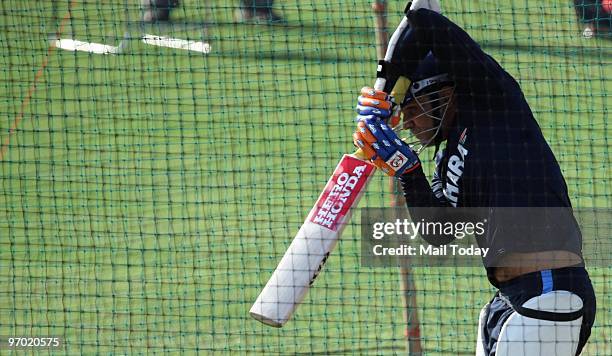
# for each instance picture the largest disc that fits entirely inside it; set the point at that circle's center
(380, 83)
(359, 154)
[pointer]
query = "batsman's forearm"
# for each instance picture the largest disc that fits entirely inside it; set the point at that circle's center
(424, 206)
(417, 191)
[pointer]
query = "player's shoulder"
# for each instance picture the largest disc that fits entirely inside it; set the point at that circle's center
(461, 134)
(471, 143)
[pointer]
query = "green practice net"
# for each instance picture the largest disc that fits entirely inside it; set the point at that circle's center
(153, 174)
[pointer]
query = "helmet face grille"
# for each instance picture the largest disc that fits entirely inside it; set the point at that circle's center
(434, 104)
(431, 91)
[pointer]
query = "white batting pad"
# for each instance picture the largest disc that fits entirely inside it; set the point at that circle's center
(523, 336)
(479, 340)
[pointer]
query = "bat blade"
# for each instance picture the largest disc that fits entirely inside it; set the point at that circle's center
(308, 252)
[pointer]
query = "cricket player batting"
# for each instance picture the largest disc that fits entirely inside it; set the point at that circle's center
(491, 153)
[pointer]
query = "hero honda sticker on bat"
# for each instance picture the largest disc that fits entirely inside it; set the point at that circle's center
(340, 193)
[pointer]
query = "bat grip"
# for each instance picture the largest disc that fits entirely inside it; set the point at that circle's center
(380, 83)
(381, 79)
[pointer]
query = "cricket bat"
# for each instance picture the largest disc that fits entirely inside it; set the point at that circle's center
(305, 257)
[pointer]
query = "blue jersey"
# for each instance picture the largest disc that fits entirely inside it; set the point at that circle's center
(496, 155)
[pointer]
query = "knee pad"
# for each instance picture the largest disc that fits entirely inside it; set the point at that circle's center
(482, 319)
(548, 324)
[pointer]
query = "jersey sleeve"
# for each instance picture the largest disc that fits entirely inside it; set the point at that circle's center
(418, 192)
(419, 196)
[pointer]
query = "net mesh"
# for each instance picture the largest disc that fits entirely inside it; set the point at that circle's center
(147, 195)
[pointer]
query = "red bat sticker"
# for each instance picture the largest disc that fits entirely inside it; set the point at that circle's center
(341, 191)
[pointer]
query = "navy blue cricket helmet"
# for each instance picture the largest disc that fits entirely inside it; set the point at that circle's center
(427, 78)
(428, 90)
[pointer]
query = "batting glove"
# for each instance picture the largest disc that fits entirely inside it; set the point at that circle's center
(378, 103)
(383, 147)
(374, 102)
